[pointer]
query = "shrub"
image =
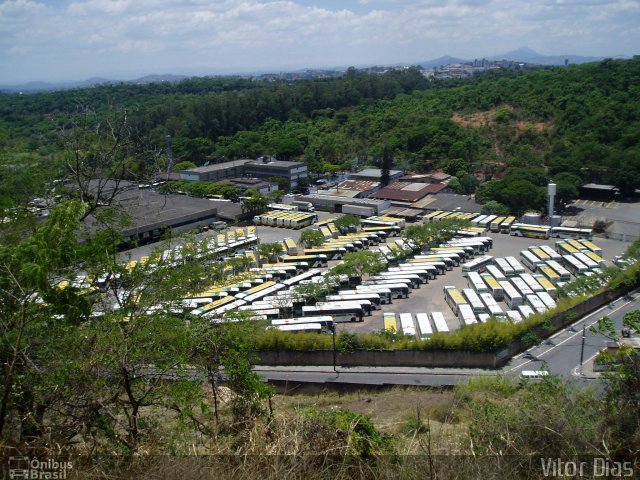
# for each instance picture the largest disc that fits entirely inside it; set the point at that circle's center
(364, 438)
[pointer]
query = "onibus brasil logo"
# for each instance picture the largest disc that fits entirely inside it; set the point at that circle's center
(33, 468)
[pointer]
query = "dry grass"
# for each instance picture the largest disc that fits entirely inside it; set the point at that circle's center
(428, 431)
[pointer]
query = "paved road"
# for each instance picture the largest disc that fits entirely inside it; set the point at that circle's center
(560, 355)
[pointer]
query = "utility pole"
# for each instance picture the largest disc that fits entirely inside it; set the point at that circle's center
(333, 335)
(584, 327)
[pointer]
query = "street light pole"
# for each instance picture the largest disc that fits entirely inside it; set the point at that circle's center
(333, 335)
(584, 327)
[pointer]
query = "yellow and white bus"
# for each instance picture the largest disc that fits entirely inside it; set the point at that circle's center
(529, 231)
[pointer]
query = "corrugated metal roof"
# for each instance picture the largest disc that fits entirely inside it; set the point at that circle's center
(408, 192)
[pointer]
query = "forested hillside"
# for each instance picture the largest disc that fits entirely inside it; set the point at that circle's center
(580, 123)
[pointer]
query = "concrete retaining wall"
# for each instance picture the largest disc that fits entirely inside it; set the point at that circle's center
(380, 358)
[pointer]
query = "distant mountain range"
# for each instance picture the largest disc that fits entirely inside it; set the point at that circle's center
(523, 54)
(32, 87)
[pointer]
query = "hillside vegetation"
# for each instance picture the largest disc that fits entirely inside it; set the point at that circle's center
(580, 122)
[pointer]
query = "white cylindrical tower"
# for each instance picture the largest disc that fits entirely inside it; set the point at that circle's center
(551, 190)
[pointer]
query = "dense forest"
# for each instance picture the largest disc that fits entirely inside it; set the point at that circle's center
(574, 124)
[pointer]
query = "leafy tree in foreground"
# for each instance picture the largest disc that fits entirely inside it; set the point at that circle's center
(227, 344)
(269, 251)
(347, 221)
(35, 314)
(433, 233)
(494, 208)
(311, 238)
(364, 262)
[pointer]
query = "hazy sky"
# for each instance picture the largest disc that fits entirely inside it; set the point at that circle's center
(61, 39)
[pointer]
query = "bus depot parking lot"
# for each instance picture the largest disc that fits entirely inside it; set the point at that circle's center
(430, 297)
(425, 298)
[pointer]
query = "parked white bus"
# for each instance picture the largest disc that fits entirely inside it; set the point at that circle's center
(340, 312)
(516, 265)
(592, 247)
(511, 296)
(495, 224)
(325, 320)
(596, 258)
(424, 326)
(493, 286)
(303, 328)
(514, 316)
(504, 267)
(565, 248)
(496, 273)
(486, 221)
(290, 282)
(398, 289)
(540, 253)
(382, 292)
(456, 258)
(439, 322)
(505, 227)
(550, 251)
(466, 315)
(365, 304)
(525, 310)
(464, 253)
(429, 265)
(406, 322)
(484, 317)
(532, 283)
(530, 260)
(521, 286)
(474, 300)
(575, 266)
(425, 274)
(450, 261)
(493, 308)
(534, 301)
(487, 242)
(390, 323)
(475, 281)
(550, 274)
(476, 220)
(529, 231)
(478, 247)
(477, 264)
(549, 287)
(566, 232)
(586, 260)
(565, 275)
(547, 300)
(454, 298)
(410, 279)
(372, 297)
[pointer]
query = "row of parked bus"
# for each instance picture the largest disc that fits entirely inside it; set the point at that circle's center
(494, 223)
(477, 303)
(509, 225)
(280, 218)
(544, 232)
(421, 325)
